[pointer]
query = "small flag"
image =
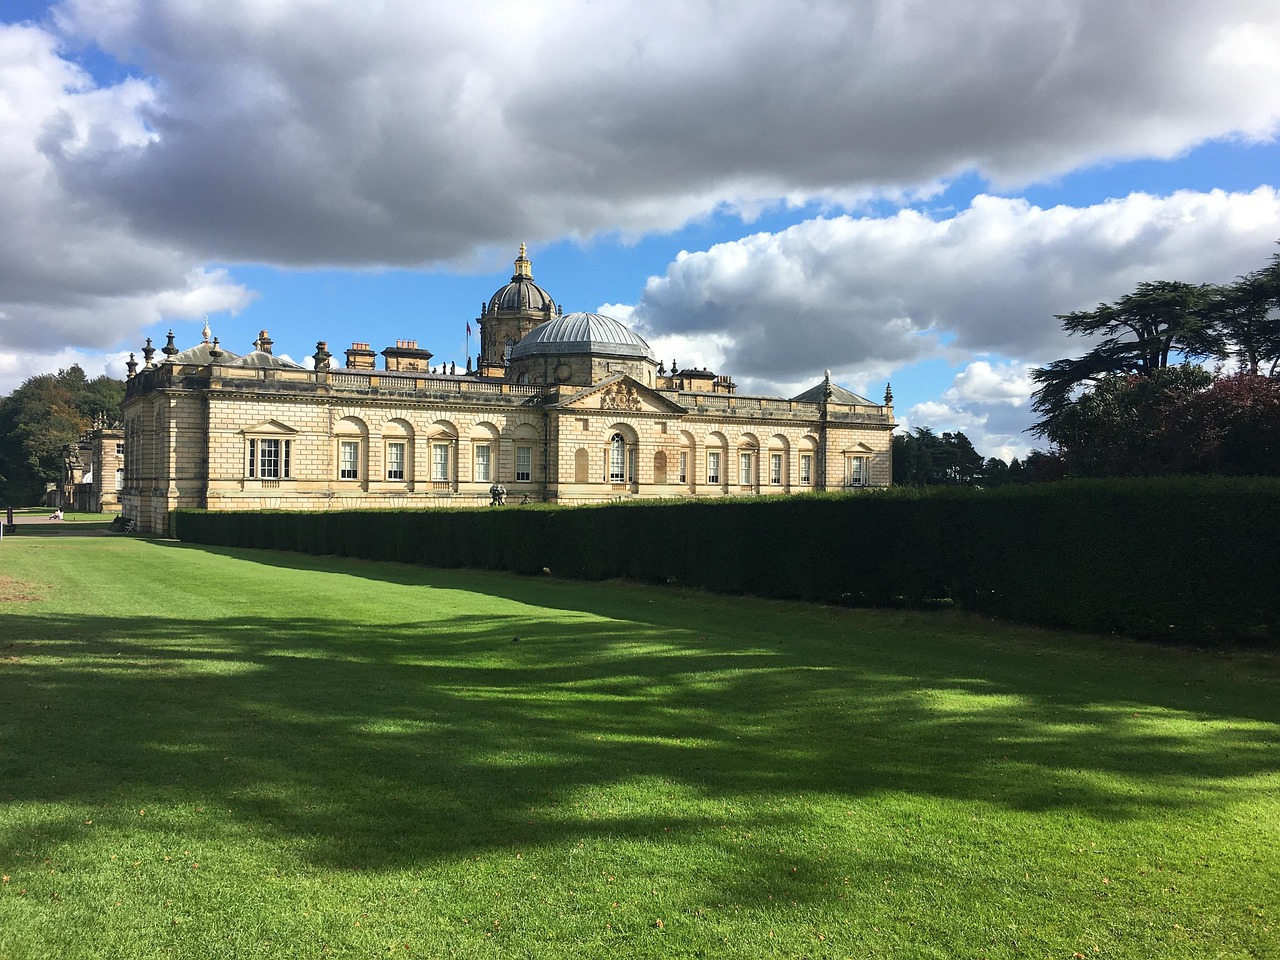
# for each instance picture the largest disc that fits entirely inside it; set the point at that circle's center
(468, 328)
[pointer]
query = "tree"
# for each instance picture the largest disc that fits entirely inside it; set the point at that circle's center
(924, 458)
(1133, 404)
(1232, 428)
(1141, 332)
(1120, 426)
(1244, 319)
(41, 419)
(995, 473)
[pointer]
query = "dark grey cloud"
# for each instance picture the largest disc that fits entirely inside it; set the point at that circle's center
(411, 132)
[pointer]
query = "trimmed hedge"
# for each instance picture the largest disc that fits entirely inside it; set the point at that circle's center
(1188, 559)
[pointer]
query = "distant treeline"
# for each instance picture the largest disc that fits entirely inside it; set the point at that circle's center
(923, 458)
(1192, 560)
(41, 422)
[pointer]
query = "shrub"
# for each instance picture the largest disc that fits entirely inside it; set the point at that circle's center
(1187, 559)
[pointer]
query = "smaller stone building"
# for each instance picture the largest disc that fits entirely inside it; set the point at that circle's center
(92, 473)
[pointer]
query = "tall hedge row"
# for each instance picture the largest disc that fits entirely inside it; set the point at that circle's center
(1191, 559)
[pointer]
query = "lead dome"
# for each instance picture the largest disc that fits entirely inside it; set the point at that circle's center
(522, 295)
(575, 333)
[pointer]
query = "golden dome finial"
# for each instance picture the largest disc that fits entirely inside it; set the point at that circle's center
(523, 267)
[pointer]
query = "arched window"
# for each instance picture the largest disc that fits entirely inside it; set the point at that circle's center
(617, 459)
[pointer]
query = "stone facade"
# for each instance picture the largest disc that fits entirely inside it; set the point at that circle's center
(588, 423)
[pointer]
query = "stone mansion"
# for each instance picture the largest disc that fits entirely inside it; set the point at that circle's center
(558, 407)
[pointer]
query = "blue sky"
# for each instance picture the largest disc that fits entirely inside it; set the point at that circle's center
(893, 190)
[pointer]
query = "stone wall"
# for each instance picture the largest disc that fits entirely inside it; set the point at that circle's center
(188, 433)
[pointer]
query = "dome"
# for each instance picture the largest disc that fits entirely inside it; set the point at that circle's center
(583, 333)
(265, 361)
(522, 294)
(262, 357)
(202, 353)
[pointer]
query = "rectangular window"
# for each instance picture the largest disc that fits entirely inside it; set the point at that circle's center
(439, 461)
(269, 459)
(119, 479)
(617, 450)
(349, 460)
(395, 461)
(713, 467)
(775, 469)
(806, 468)
(744, 469)
(119, 449)
(483, 460)
(684, 468)
(855, 471)
(524, 463)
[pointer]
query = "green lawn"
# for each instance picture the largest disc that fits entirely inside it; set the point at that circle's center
(228, 753)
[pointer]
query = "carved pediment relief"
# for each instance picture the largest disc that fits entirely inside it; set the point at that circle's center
(620, 396)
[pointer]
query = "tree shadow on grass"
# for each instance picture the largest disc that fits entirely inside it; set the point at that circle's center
(391, 744)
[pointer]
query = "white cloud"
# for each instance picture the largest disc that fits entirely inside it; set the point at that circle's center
(981, 382)
(864, 296)
(74, 274)
(989, 403)
(15, 368)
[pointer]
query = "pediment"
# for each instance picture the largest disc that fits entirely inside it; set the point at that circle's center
(270, 428)
(620, 393)
(858, 448)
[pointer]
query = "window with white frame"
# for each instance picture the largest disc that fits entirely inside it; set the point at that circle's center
(119, 449)
(684, 467)
(268, 458)
(775, 469)
(484, 462)
(617, 459)
(348, 459)
(524, 464)
(440, 461)
(744, 469)
(806, 468)
(395, 460)
(713, 466)
(119, 480)
(855, 471)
